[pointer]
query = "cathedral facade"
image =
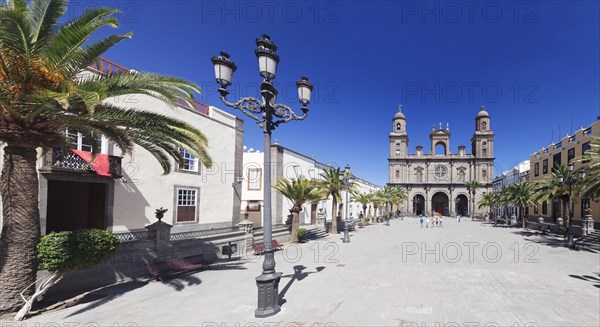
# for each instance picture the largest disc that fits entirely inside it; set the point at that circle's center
(436, 180)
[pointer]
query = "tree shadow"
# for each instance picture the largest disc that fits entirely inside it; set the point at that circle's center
(298, 275)
(588, 278)
(107, 294)
(557, 240)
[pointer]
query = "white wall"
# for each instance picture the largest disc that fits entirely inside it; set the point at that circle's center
(147, 188)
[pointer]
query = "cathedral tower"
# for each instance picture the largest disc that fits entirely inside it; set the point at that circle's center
(398, 136)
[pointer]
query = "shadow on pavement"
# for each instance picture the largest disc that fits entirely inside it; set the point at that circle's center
(588, 278)
(297, 276)
(107, 294)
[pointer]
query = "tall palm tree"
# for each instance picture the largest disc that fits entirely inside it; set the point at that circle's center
(488, 200)
(364, 199)
(331, 183)
(42, 93)
(299, 191)
(399, 195)
(556, 185)
(472, 187)
(378, 198)
(522, 195)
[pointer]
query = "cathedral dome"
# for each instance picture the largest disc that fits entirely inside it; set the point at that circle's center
(399, 114)
(482, 113)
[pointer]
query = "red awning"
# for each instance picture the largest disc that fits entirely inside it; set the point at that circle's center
(100, 163)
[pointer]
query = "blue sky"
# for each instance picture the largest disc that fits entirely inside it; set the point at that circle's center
(534, 65)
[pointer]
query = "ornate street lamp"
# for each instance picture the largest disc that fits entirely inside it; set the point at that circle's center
(346, 181)
(387, 195)
(571, 180)
(269, 116)
(415, 202)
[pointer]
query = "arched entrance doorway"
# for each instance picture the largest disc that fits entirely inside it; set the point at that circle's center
(462, 205)
(439, 204)
(419, 205)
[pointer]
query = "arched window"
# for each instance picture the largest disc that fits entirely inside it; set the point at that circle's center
(484, 173)
(484, 126)
(484, 152)
(461, 176)
(419, 177)
(440, 149)
(398, 126)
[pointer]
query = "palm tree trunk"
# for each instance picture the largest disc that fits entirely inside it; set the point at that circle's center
(523, 216)
(20, 225)
(295, 225)
(334, 217)
(362, 220)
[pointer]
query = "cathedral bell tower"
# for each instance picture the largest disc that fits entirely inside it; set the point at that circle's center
(398, 136)
(483, 139)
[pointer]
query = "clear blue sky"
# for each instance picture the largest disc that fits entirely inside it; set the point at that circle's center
(534, 65)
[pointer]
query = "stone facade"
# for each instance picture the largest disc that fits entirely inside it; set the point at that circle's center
(435, 181)
(561, 153)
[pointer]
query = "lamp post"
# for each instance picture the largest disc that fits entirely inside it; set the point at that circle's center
(346, 181)
(268, 115)
(571, 180)
(387, 204)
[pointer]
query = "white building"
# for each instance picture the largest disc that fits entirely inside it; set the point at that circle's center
(290, 164)
(72, 195)
(511, 176)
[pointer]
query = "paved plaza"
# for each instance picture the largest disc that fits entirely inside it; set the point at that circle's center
(462, 274)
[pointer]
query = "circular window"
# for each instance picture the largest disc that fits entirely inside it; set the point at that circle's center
(440, 171)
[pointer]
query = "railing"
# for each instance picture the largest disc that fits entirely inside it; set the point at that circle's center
(203, 233)
(132, 236)
(108, 67)
(277, 226)
(70, 161)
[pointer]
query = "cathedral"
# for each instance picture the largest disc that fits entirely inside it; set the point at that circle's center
(435, 180)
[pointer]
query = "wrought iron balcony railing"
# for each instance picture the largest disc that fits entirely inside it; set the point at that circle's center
(56, 159)
(108, 67)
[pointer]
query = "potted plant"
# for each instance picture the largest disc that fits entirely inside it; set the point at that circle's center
(301, 233)
(160, 213)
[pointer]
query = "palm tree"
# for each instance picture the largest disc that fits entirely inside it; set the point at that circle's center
(378, 198)
(522, 195)
(488, 199)
(554, 186)
(299, 191)
(364, 199)
(399, 195)
(331, 183)
(42, 93)
(472, 187)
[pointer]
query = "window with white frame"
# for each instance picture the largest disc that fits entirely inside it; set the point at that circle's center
(187, 203)
(190, 163)
(80, 142)
(254, 179)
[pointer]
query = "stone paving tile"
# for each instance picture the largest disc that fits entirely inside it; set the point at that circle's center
(370, 284)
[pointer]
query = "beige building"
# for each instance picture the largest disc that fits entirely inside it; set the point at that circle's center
(561, 153)
(435, 180)
(74, 195)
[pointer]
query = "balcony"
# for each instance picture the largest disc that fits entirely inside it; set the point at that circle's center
(57, 160)
(108, 67)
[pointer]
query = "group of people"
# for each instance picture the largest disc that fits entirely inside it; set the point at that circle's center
(436, 221)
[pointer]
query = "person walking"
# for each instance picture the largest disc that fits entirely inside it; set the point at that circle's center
(421, 222)
(426, 222)
(441, 221)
